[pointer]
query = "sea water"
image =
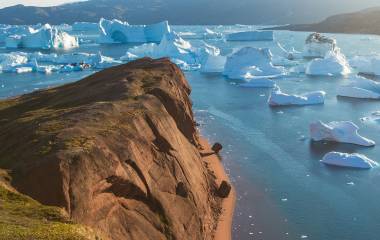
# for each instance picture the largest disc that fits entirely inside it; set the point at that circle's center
(283, 191)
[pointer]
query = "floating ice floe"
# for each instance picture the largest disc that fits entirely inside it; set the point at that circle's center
(85, 26)
(359, 87)
(171, 46)
(317, 46)
(251, 36)
(349, 160)
(278, 98)
(333, 64)
(343, 132)
(46, 37)
(369, 65)
(116, 31)
(248, 63)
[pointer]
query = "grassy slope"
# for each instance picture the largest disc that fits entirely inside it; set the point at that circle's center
(23, 218)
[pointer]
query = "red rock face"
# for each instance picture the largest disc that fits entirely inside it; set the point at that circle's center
(112, 150)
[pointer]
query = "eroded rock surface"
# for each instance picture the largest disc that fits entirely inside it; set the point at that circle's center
(112, 150)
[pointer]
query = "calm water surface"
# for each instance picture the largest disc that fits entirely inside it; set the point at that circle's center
(284, 192)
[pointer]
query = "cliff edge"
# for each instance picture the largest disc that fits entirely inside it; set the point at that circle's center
(118, 151)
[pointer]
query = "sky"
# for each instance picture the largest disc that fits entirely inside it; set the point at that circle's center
(7, 3)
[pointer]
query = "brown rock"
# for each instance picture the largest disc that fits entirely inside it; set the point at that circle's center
(224, 189)
(110, 149)
(182, 190)
(217, 147)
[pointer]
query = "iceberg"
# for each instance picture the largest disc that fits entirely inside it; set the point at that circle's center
(214, 64)
(10, 61)
(85, 26)
(251, 36)
(343, 132)
(210, 59)
(349, 160)
(360, 87)
(116, 31)
(369, 65)
(333, 64)
(278, 98)
(317, 46)
(171, 46)
(248, 63)
(45, 37)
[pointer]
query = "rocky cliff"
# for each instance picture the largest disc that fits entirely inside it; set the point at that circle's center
(118, 151)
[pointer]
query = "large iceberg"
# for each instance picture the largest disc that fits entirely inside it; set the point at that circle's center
(349, 160)
(116, 31)
(171, 46)
(249, 62)
(333, 64)
(343, 132)
(317, 46)
(251, 36)
(278, 98)
(360, 87)
(46, 37)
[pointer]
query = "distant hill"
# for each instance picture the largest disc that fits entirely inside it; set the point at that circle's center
(186, 12)
(364, 22)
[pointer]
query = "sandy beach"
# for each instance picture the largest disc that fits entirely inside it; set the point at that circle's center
(224, 228)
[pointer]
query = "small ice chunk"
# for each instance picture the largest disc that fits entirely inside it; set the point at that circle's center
(343, 132)
(278, 98)
(349, 160)
(360, 87)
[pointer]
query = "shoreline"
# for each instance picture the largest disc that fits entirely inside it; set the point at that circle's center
(214, 164)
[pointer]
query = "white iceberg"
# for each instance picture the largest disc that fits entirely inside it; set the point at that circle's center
(278, 98)
(210, 59)
(251, 36)
(214, 64)
(343, 132)
(333, 64)
(317, 46)
(349, 160)
(85, 26)
(360, 87)
(10, 61)
(171, 46)
(45, 37)
(369, 65)
(248, 63)
(116, 31)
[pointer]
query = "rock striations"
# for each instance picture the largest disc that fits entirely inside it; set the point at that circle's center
(118, 150)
